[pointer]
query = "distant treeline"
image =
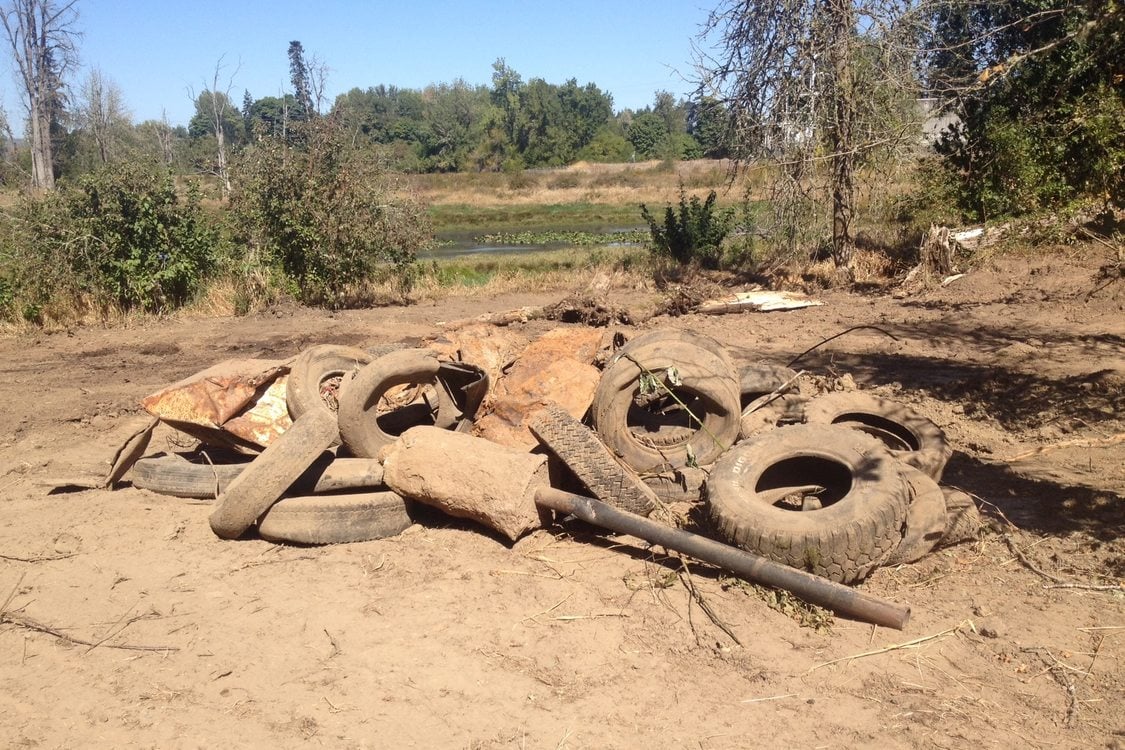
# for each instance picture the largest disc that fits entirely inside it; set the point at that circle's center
(511, 124)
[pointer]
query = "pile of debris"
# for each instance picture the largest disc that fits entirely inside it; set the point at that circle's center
(808, 490)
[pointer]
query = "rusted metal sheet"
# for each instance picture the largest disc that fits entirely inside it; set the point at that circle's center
(557, 367)
(485, 346)
(238, 402)
(265, 419)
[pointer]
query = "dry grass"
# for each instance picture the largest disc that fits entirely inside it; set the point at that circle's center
(576, 269)
(563, 281)
(651, 182)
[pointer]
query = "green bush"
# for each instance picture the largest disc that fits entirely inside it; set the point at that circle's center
(146, 247)
(122, 236)
(693, 235)
(325, 215)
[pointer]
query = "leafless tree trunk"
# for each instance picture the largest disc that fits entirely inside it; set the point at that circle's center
(103, 114)
(818, 87)
(220, 105)
(41, 36)
(9, 136)
(164, 139)
(841, 26)
(318, 82)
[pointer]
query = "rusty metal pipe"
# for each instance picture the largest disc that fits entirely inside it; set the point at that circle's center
(841, 599)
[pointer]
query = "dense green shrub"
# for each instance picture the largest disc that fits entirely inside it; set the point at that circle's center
(1049, 125)
(145, 245)
(693, 234)
(122, 236)
(326, 215)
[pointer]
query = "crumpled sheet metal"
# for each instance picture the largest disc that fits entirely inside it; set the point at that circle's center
(490, 348)
(557, 367)
(237, 402)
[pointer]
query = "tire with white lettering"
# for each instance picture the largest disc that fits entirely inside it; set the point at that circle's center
(815, 497)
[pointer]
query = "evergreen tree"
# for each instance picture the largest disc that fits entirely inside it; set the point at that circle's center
(299, 76)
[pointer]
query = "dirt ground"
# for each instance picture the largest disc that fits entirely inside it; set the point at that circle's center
(448, 637)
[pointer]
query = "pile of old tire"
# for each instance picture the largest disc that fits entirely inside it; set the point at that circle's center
(849, 484)
(835, 484)
(320, 481)
(668, 403)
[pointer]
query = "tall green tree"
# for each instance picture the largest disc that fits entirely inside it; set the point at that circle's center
(648, 133)
(708, 124)
(302, 85)
(453, 121)
(507, 89)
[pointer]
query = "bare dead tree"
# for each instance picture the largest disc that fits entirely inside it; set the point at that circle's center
(41, 36)
(810, 83)
(318, 82)
(102, 113)
(9, 136)
(164, 138)
(218, 104)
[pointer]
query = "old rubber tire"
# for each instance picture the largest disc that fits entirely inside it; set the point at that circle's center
(759, 379)
(335, 519)
(925, 518)
(269, 475)
(580, 450)
(363, 431)
(649, 439)
(962, 518)
(910, 437)
(682, 485)
(313, 371)
(864, 503)
(178, 477)
(788, 408)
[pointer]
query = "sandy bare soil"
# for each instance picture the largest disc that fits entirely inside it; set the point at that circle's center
(447, 637)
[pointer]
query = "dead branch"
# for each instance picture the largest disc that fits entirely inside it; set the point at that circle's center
(766, 400)
(1027, 563)
(898, 646)
(1076, 443)
(28, 623)
(1087, 586)
(836, 336)
(43, 558)
(689, 584)
(503, 318)
(1058, 583)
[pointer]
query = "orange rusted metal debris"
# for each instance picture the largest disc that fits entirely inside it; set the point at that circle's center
(238, 402)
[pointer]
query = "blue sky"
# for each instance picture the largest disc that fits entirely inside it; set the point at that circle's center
(156, 51)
